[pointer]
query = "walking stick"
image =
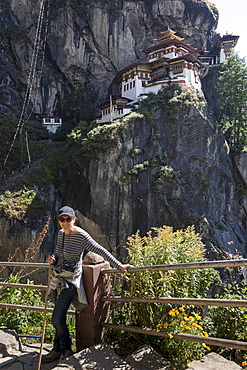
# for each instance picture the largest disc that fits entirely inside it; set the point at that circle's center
(44, 323)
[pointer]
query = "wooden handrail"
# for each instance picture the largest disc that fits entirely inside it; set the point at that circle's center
(26, 286)
(25, 264)
(186, 301)
(31, 308)
(189, 337)
(182, 266)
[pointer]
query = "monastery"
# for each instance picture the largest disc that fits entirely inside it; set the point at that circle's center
(170, 60)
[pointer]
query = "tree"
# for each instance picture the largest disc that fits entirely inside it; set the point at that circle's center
(232, 88)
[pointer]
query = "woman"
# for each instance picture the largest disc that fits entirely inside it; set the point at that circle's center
(66, 284)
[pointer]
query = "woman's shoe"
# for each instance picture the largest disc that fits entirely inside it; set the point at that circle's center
(53, 355)
(65, 353)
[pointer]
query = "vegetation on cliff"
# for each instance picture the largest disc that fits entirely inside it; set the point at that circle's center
(232, 89)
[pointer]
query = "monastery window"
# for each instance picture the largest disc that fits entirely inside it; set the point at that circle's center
(141, 74)
(134, 83)
(143, 83)
(131, 85)
(177, 68)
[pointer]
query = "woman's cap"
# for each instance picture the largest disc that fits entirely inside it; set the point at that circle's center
(66, 210)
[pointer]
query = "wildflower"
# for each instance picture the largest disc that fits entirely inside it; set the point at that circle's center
(191, 318)
(194, 325)
(182, 324)
(205, 334)
(165, 325)
(181, 309)
(170, 335)
(173, 312)
(244, 363)
(187, 327)
(201, 323)
(205, 346)
(197, 317)
(159, 326)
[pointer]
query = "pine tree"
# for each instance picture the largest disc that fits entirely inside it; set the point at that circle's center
(232, 88)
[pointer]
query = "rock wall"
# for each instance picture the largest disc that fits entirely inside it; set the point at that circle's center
(164, 172)
(94, 38)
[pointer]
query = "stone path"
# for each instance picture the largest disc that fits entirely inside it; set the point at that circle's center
(14, 356)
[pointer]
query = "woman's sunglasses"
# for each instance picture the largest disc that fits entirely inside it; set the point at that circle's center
(68, 219)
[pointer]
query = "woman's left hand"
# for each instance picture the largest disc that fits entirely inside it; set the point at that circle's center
(124, 268)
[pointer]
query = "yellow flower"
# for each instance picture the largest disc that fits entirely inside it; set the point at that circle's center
(165, 325)
(170, 335)
(173, 312)
(205, 334)
(201, 323)
(181, 309)
(182, 324)
(191, 318)
(187, 327)
(186, 319)
(205, 346)
(194, 325)
(197, 317)
(244, 363)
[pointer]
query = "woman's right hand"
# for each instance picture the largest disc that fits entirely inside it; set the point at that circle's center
(51, 259)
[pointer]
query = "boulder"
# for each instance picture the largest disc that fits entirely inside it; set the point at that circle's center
(213, 361)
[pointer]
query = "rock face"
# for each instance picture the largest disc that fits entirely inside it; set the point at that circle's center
(164, 172)
(91, 40)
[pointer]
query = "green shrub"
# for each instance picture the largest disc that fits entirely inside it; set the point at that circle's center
(163, 246)
(28, 322)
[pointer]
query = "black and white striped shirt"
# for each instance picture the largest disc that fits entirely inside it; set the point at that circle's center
(71, 246)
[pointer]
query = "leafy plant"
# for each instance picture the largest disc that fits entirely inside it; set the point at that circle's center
(178, 321)
(163, 246)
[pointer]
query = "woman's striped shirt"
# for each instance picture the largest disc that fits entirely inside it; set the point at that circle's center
(71, 246)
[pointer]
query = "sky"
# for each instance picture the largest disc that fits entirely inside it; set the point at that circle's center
(232, 19)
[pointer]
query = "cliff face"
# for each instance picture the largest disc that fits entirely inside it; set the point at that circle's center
(162, 171)
(91, 40)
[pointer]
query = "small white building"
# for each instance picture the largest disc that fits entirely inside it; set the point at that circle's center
(52, 123)
(114, 108)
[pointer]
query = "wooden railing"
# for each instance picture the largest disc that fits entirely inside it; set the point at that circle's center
(28, 286)
(182, 301)
(88, 322)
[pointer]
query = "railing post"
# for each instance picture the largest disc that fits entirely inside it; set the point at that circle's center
(89, 330)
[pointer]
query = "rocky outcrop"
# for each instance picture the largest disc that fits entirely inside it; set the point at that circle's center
(90, 41)
(164, 172)
(101, 356)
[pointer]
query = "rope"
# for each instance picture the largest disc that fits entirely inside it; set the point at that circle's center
(32, 74)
